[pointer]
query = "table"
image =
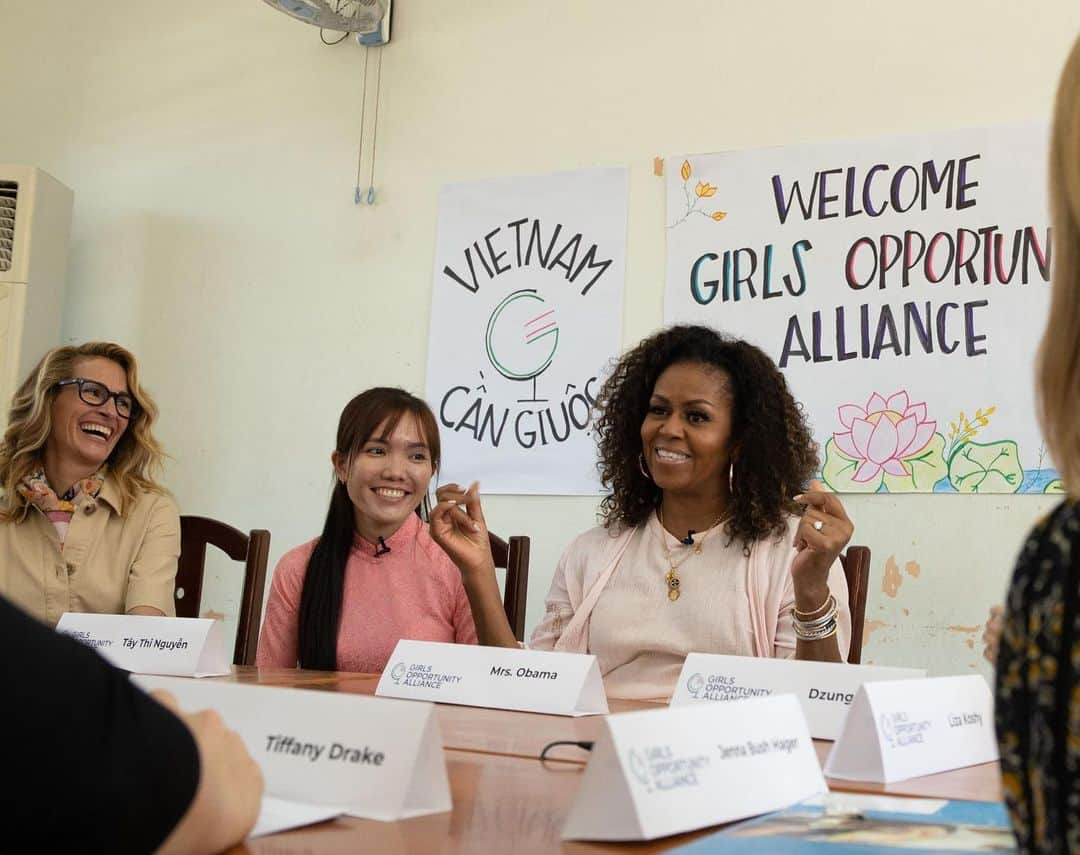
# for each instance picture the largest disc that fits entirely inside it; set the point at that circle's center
(517, 734)
(501, 804)
(505, 800)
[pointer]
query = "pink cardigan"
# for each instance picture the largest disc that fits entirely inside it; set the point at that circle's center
(591, 559)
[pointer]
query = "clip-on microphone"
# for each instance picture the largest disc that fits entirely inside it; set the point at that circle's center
(689, 539)
(382, 548)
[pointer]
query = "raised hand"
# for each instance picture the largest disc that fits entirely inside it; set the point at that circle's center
(823, 532)
(461, 531)
(463, 535)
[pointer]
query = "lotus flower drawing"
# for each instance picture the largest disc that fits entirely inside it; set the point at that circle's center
(882, 434)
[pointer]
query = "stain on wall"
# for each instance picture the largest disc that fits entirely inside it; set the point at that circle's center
(890, 582)
(910, 618)
(870, 627)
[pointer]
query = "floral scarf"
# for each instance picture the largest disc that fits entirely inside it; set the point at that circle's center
(59, 509)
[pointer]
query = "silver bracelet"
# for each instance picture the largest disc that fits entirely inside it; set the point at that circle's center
(821, 634)
(818, 622)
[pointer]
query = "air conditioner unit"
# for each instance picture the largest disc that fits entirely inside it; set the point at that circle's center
(35, 225)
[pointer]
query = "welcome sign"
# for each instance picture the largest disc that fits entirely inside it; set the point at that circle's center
(526, 314)
(901, 285)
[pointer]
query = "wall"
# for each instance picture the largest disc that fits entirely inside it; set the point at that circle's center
(212, 150)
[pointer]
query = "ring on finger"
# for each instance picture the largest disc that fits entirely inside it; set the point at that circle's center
(818, 525)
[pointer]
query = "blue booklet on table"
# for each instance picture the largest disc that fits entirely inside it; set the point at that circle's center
(858, 824)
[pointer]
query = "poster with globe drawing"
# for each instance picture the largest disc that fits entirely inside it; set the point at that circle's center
(526, 316)
(901, 284)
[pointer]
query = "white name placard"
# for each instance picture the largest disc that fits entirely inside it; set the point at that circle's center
(825, 689)
(276, 815)
(899, 730)
(499, 677)
(369, 757)
(666, 771)
(181, 647)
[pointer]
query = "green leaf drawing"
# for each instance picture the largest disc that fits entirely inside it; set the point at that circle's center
(926, 468)
(993, 467)
(1055, 486)
(839, 470)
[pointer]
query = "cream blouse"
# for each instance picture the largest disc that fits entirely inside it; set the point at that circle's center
(640, 637)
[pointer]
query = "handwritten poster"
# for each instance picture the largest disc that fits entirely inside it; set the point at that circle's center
(902, 286)
(526, 316)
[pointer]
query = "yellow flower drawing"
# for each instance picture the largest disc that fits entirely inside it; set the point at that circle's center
(702, 190)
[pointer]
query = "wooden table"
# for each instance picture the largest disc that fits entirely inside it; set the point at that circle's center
(501, 804)
(516, 734)
(504, 799)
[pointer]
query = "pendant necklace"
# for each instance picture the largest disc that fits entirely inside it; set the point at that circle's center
(672, 577)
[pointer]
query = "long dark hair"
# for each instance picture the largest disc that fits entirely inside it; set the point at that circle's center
(776, 451)
(320, 599)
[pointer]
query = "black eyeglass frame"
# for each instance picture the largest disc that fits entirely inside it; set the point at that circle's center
(133, 409)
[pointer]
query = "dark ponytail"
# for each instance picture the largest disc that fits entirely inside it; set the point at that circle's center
(320, 600)
(324, 582)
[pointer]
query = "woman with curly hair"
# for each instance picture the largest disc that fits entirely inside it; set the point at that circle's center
(709, 543)
(84, 526)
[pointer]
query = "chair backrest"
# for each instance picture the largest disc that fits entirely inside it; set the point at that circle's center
(856, 562)
(514, 556)
(253, 549)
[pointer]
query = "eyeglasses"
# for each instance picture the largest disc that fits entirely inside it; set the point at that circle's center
(97, 394)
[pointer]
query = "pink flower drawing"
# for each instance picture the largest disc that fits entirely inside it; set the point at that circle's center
(883, 433)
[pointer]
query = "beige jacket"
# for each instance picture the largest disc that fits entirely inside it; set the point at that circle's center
(113, 559)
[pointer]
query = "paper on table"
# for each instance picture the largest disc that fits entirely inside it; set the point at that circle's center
(280, 815)
(540, 681)
(653, 773)
(181, 647)
(846, 802)
(825, 689)
(379, 759)
(899, 729)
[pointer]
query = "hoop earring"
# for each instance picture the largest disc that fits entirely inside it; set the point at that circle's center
(731, 478)
(641, 466)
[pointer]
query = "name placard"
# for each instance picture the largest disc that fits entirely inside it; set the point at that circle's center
(899, 730)
(181, 647)
(369, 757)
(661, 772)
(498, 677)
(825, 689)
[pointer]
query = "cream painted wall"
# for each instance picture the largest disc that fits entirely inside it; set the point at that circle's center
(212, 150)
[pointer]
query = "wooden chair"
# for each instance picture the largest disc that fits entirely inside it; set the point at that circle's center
(856, 563)
(514, 557)
(253, 549)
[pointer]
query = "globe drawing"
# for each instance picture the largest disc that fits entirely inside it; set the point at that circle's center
(522, 336)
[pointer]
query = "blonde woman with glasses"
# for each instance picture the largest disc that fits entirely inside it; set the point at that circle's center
(1038, 661)
(84, 527)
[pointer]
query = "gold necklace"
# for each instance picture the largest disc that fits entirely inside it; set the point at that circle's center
(672, 577)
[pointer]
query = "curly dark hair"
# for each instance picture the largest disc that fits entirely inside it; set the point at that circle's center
(777, 454)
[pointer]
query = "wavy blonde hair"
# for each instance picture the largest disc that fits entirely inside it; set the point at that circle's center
(134, 462)
(1058, 367)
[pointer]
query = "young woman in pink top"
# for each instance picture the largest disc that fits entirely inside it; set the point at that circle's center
(342, 601)
(711, 541)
